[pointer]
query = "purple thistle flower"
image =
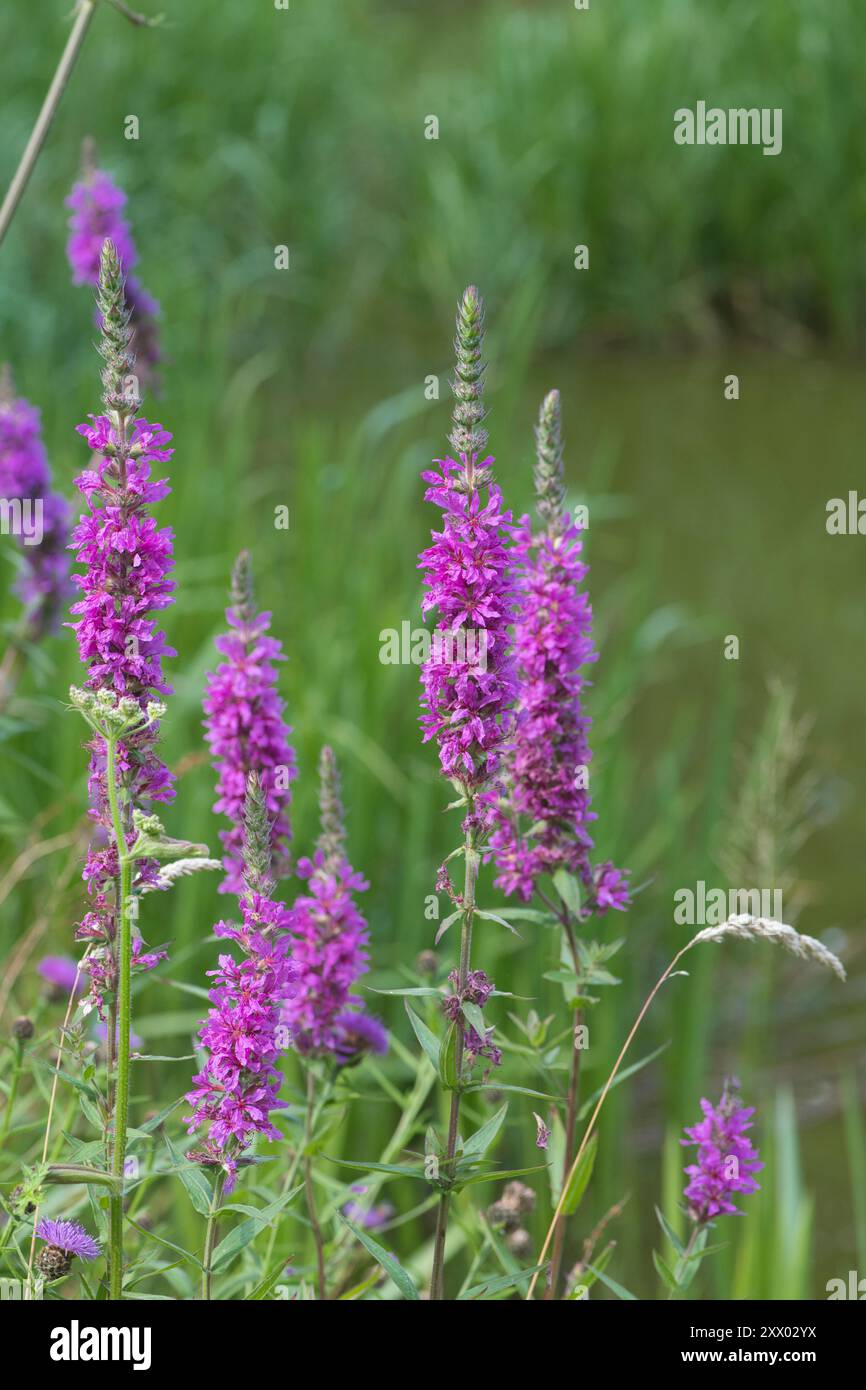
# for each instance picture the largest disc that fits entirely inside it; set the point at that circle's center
(44, 585)
(61, 973)
(127, 559)
(246, 730)
(69, 1237)
(468, 682)
(542, 825)
(238, 1087)
(330, 942)
(97, 205)
(726, 1157)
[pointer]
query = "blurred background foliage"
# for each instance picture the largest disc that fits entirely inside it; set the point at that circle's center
(305, 388)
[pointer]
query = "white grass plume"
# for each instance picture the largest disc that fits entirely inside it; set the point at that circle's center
(746, 928)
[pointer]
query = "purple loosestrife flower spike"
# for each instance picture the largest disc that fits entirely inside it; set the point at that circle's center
(726, 1157)
(43, 586)
(330, 942)
(97, 205)
(238, 1087)
(468, 682)
(543, 824)
(127, 559)
(245, 728)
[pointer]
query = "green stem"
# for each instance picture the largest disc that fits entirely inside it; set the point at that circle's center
(13, 1090)
(295, 1164)
(683, 1262)
(124, 977)
(437, 1279)
(570, 1119)
(210, 1235)
(85, 13)
(309, 1188)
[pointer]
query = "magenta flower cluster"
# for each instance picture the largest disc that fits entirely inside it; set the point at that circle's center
(543, 823)
(468, 683)
(25, 477)
(97, 205)
(127, 559)
(238, 1087)
(726, 1158)
(330, 939)
(246, 732)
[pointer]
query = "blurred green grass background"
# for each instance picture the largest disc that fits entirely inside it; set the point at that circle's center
(306, 388)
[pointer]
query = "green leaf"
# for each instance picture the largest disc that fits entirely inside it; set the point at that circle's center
(231, 1245)
(474, 1017)
(665, 1272)
(582, 1174)
(500, 1176)
(396, 1273)
(670, 1232)
(687, 1267)
(499, 1283)
(445, 924)
(613, 1285)
(568, 888)
(447, 1066)
(420, 990)
(197, 1186)
(165, 849)
(587, 1279)
(520, 1090)
(482, 1139)
(426, 1038)
(263, 1288)
(155, 1121)
(397, 1170)
(494, 917)
(160, 1240)
(529, 914)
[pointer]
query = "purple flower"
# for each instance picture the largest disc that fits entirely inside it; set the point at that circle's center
(468, 682)
(542, 825)
(369, 1218)
(98, 215)
(542, 1132)
(101, 1034)
(246, 730)
(127, 558)
(69, 1237)
(61, 973)
(476, 1041)
(356, 1034)
(100, 963)
(25, 477)
(239, 1085)
(330, 941)
(726, 1157)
